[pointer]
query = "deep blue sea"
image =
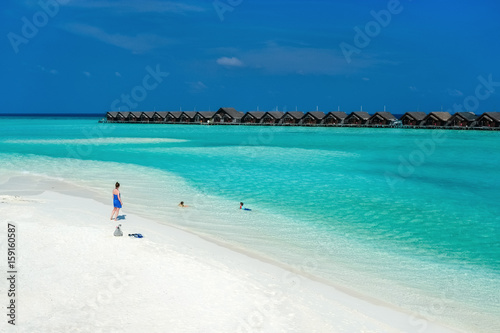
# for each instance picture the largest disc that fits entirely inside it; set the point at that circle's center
(408, 217)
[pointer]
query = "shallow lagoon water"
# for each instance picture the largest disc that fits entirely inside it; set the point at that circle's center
(408, 217)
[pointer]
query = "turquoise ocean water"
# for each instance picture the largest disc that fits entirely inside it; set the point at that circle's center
(408, 217)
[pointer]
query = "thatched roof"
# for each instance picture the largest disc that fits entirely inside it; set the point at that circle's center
(337, 114)
(441, 116)
(175, 114)
(316, 114)
(275, 114)
(112, 114)
(148, 114)
(206, 114)
(136, 114)
(161, 114)
(469, 116)
(294, 114)
(418, 116)
(189, 114)
(492, 115)
(255, 114)
(360, 114)
(384, 115)
(123, 114)
(231, 112)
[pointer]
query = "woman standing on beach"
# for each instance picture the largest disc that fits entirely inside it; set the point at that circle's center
(117, 201)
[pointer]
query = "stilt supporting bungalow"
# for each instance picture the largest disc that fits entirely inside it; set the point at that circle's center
(229, 116)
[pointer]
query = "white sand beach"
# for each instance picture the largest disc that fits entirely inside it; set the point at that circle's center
(75, 276)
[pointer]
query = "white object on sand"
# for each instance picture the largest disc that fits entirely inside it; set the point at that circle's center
(118, 231)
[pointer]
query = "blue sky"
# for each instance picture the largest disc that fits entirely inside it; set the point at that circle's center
(84, 56)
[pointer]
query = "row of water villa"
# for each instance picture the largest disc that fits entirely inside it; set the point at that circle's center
(229, 116)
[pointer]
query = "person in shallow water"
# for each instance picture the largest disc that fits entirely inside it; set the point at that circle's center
(242, 206)
(117, 202)
(182, 204)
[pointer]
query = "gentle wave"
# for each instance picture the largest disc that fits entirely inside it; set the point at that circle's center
(95, 141)
(250, 151)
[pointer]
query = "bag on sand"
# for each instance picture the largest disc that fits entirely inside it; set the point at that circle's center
(118, 231)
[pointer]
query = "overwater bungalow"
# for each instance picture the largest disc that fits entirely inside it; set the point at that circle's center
(227, 115)
(469, 120)
(436, 119)
(413, 118)
(134, 117)
(111, 116)
(187, 117)
(252, 117)
(292, 118)
(272, 117)
(334, 118)
(146, 117)
(122, 116)
(357, 118)
(159, 117)
(489, 119)
(203, 116)
(313, 118)
(173, 116)
(382, 118)
(463, 119)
